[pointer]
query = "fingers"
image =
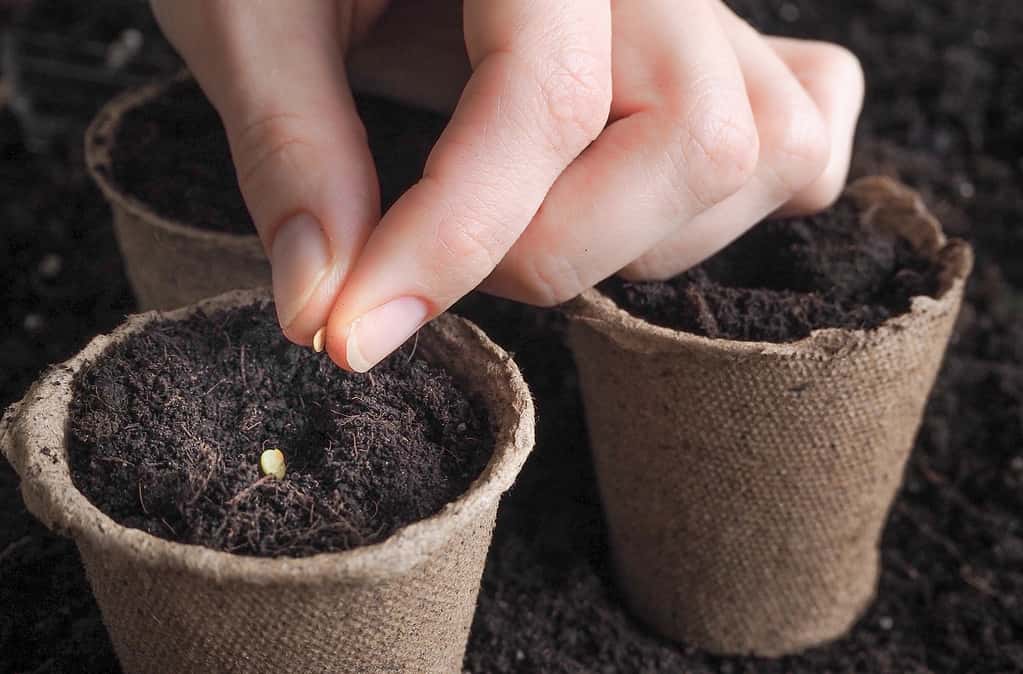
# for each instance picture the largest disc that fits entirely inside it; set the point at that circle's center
(539, 94)
(278, 81)
(833, 77)
(683, 140)
(795, 151)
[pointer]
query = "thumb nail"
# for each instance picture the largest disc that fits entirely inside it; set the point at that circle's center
(300, 257)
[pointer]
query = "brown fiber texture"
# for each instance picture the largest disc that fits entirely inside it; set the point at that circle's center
(746, 484)
(169, 264)
(402, 605)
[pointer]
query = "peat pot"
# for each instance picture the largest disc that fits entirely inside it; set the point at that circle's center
(746, 484)
(403, 604)
(169, 263)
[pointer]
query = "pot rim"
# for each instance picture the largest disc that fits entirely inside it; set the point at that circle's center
(100, 138)
(50, 494)
(878, 197)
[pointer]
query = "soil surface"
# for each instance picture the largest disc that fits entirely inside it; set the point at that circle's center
(173, 154)
(785, 278)
(944, 113)
(167, 428)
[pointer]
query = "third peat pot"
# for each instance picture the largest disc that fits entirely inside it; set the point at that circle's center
(747, 454)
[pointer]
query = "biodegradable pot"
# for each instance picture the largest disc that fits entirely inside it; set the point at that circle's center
(404, 604)
(169, 263)
(746, 484)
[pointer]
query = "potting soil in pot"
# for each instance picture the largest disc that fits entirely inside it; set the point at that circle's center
(167, 429)
(785, 278)
(173, 155)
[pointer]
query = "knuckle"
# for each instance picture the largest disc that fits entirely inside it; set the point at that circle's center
(469, 243)
(800, 145)
(576, 91)
(843, 67)
(551, 280)
(824, 192)
(720, 149)
(468, 254)
(265, 146)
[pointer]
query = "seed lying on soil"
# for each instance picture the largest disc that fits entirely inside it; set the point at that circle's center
(272, 463)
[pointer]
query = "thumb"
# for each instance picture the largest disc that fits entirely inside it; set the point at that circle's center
(276, 75)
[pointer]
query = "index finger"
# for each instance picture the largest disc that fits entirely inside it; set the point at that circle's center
(539, 94)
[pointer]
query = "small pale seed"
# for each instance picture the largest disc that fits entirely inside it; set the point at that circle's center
(272, 463)
(318, 340)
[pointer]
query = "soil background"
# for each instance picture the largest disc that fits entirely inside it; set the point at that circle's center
(944, 113)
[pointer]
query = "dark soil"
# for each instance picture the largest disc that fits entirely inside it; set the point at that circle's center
(943, 113)
(166, 430)
(785, 278)
(944, 108)
(173, 154)
(951, 592)
(112, 44)
(62, 283)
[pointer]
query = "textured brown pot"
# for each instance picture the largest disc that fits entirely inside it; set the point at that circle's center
(169, 263)
(746, 484)
(402, 605)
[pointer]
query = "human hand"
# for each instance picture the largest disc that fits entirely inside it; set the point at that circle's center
(591, 137)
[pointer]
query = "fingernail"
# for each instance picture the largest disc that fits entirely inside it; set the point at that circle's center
(380, 331)
(299, 258)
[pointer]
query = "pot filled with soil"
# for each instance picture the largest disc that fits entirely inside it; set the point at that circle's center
(161, 157)
(158, 157)
(240, 503)
(750, 419)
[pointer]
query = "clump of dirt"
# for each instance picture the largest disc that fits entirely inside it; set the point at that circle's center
(785, 278)
(166, 430)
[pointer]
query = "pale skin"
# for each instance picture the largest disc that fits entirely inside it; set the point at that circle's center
(587, 138)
